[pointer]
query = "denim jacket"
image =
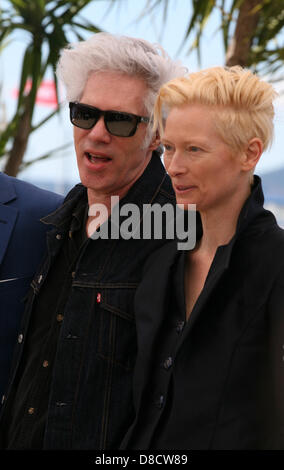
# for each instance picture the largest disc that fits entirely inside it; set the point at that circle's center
(90, 403)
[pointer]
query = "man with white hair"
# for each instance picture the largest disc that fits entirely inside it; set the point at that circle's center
(71, 386)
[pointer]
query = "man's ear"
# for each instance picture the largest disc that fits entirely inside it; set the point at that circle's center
(252, 154)
(155, 142)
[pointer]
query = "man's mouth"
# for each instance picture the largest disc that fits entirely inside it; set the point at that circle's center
(94, 158)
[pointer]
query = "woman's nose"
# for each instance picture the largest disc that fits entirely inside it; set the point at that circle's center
(175, 165)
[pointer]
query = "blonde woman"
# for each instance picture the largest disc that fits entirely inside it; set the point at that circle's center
(210, 321)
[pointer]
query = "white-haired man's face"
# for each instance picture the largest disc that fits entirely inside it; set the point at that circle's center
(108, 164)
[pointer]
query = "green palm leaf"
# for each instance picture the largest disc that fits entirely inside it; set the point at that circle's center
(48, 24)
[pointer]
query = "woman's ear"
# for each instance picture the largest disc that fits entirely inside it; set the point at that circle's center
(155, 142)
(252, 154)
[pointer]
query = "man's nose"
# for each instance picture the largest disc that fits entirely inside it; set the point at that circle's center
(99, 132)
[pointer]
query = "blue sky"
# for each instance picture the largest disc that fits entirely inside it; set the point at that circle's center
(122, 19)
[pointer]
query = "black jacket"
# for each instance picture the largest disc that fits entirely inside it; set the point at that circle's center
(90, 402)
(224, 385)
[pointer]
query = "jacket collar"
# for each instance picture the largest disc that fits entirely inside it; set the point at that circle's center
(61, 217)
(252, 217)
(8, 214)
(253, 214)
(143, 191)
(7, 190)
(149, 184)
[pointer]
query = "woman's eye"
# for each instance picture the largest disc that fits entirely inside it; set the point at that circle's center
(167, 147)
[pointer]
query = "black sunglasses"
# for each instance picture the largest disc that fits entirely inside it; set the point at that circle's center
(116, 122)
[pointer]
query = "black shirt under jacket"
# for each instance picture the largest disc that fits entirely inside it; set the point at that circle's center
(217, 380)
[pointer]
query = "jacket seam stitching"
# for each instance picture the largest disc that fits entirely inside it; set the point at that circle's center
(105, 285)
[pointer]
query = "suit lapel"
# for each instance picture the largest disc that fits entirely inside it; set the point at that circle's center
(8, 214)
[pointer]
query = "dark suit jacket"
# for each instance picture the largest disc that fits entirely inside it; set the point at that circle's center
(22, 245)
(225, 388)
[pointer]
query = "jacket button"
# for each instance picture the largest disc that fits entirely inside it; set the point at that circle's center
(39, 278)
(73, 274)
(31, 411)
(160, 402)
(3, 399)
(45, 364)
(168, 363)
(20, 338)
(180, 326)
(58, 236)
(59, 317)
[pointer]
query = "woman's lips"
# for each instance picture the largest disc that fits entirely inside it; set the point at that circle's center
(180, 189)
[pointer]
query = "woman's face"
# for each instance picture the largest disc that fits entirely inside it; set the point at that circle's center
(204, 170)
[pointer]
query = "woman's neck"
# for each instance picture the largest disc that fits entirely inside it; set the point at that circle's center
(219, 223)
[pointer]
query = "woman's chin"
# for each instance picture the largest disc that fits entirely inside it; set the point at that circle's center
(185, 202)
(186, 206)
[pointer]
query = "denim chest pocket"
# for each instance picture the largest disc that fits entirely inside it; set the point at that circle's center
(116, 325)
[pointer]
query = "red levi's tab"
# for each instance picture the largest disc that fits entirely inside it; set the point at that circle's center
(99, 297)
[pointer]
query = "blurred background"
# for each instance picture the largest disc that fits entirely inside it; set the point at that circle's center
(35, 132)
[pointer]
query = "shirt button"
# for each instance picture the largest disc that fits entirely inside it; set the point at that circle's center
(168, 363)
(180, 326)
(20, 338)
(31, 411)
(59, 317)
(45, 364)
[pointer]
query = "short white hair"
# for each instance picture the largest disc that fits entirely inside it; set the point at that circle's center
(106, 52)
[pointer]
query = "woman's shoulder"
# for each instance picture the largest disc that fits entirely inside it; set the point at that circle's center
(273, 237)
(262, 250)
(163, 257)
(264, 231)
(157, 276)
(275, 247)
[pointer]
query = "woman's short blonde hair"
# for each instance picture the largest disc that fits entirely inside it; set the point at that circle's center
(243, 103)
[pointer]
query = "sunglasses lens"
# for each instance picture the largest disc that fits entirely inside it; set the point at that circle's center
(84, 117)
(120, 124)
(117, 123)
